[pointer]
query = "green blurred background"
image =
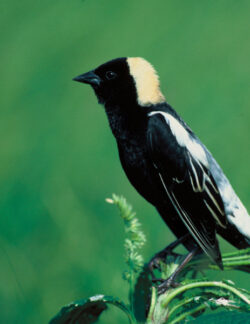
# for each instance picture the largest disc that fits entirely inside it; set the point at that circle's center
(59, 240)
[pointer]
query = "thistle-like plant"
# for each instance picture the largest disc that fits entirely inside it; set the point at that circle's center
(134, 241)
(183, 304)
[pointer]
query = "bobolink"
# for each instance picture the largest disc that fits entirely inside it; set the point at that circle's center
(165, 161)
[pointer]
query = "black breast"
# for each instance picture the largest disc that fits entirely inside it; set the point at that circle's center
(130, 131)
(131, 137)
(139, 169)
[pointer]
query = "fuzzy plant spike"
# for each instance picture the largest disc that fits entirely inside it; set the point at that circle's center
(135, 238)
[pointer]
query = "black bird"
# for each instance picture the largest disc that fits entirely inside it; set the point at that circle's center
(165, 161)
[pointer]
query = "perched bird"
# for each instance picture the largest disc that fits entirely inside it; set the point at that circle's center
(165, 161)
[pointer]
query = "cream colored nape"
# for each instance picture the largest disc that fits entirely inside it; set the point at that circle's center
(146, 81)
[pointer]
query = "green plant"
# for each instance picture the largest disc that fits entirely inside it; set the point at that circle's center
(183, 304)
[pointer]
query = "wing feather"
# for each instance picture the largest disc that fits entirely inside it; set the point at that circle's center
(202, 181)
(203, 238)
(195, 195)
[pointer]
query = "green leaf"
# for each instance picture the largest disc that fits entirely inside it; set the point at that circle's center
(142, 295)
(87, 311)
(223, 318)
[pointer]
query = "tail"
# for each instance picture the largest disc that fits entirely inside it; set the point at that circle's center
(234, 236)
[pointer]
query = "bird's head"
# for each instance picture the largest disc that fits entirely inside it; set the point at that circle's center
(125, 82)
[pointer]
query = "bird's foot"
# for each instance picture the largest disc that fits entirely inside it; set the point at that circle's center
(155, 263)
(167, 284)
(170, 282)
(161, 256)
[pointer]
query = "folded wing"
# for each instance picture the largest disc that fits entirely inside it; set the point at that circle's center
(185, 176)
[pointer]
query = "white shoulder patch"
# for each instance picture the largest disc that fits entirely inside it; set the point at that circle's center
(146, 81)
(241, 220)
(236, 211)
(183, 137)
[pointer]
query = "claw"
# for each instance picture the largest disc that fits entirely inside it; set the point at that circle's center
(154, 263)
(166, 284)
(155, 280)
(170, 282)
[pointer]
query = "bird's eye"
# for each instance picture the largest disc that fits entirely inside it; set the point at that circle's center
(110, 75)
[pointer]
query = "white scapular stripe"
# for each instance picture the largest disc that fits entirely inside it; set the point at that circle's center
(241, 220)
(235, 210)
(183, 138)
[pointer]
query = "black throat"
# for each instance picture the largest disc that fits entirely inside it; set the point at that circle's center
(127, 123)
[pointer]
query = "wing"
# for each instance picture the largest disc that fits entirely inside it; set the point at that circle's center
(183, 169)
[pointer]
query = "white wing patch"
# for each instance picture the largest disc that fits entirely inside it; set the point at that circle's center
(236, 211)
(197, 162)
(183, 138)
(241, 221)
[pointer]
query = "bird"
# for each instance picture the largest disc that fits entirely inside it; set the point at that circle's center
(166, 162)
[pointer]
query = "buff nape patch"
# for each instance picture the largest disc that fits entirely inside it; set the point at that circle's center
(146, 81)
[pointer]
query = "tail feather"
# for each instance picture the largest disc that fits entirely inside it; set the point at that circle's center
(234, 237)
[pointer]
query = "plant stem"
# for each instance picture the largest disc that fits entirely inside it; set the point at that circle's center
(152, 304)
(174, 308)
(236, 253)
(193, 285)
(131, 290)
(228, 262)
(184, 315)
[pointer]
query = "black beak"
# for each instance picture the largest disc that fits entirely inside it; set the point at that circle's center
(89, 78)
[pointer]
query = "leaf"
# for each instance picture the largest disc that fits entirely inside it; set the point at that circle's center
(142, 295)
(87, 311)
(223, 318)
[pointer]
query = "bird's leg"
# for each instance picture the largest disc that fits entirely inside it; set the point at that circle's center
(161, 256)
(170, 282)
